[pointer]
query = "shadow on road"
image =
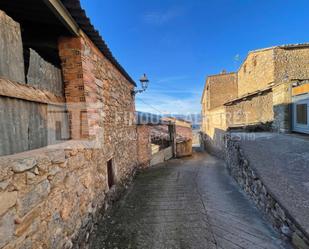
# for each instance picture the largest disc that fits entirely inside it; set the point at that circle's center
(185, 203)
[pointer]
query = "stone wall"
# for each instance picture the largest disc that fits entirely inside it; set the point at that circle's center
(282, 99)
(144, 148)
(104, 97)
(256, 72)
(91, 78)
(290, 66)
(291, 63)
(220, 89)
(247, 177)
(213, 130)
(213, 144)
(51, 197)
(254, 109)
(162, 156)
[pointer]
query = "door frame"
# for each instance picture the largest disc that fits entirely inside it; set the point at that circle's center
(110, 173)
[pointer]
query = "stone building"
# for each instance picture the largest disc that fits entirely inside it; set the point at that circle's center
(269, 91)
(218, 89)
(68, 138)
(160, 139)
(184, 136)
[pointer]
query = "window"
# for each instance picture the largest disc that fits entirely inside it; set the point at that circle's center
(110, 174)
(301, 114)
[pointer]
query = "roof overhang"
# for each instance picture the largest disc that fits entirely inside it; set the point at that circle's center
(63, 15)
(45, 20)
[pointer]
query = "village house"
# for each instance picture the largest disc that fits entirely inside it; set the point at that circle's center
(162, 138)
(270, 92)
(67, 125)
(184, 136)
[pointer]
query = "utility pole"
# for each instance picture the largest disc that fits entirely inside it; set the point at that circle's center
(173, 137)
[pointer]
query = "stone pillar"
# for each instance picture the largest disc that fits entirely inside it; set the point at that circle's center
(282, 101)
(11, 50)
(143, 145)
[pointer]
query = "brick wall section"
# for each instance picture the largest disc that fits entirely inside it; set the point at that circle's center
(144, 145)
(257, 72)
(72, 69)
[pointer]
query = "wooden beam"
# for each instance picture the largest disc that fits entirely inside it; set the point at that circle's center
(22, 91)
(63, 14)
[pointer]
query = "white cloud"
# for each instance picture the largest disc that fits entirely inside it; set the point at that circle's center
(172, 79)
(160, 18)
(159, 103)
(170, 95)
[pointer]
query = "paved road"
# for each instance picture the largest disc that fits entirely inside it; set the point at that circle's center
(185, 204)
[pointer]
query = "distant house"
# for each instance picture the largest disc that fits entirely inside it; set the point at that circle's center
(269, 91)
(161, 132)
(184, 135)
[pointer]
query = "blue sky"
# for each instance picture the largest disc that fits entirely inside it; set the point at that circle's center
(179, 42)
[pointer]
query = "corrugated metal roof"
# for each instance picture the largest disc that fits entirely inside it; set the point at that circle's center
(80, 17)
(286, 46)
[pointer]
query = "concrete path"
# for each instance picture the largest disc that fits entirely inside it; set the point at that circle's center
(189, 203)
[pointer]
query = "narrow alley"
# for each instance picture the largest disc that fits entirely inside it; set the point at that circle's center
(185, 203)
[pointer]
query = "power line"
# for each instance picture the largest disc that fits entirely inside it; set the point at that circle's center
(154, 108)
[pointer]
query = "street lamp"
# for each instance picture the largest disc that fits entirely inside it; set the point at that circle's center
(144, 83)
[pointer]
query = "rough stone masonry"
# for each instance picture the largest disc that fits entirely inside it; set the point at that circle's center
(290, 220)
(51, 197)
